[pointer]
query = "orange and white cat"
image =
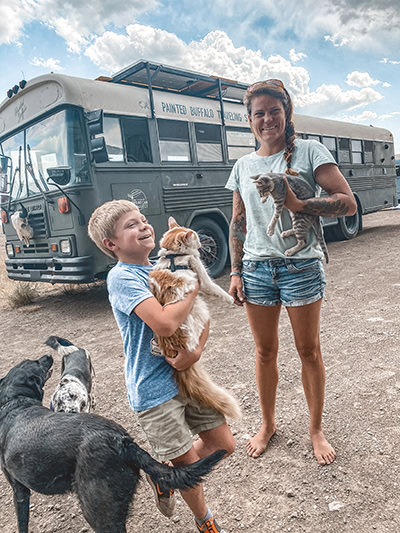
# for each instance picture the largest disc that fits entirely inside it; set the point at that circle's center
(175, 274)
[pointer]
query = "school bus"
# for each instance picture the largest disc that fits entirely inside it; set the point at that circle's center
(163, 137)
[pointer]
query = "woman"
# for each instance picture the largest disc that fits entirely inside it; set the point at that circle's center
(262, 276)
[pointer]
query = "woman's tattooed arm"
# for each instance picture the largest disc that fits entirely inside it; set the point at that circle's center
(237, 232)
(339, 202)
(333, 206)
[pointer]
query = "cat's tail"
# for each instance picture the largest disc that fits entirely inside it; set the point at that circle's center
(194, 382)
(320, 237)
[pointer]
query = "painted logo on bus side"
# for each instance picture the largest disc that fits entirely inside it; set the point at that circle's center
(20, 110)
(138, 197)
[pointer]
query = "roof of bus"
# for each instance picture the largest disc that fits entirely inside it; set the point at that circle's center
(49, 91)
(179, 80)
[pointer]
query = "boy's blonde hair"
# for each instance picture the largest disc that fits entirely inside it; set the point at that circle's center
(103, 220)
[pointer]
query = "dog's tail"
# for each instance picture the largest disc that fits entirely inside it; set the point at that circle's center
(194, 382)
(169, 477)
(60, 345)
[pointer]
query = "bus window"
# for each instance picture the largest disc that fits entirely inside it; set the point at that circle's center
(344, 150)
(368, 152)
(208, 142)
(330, 143)
(137, 141)
(240, 142)
(174, 140)
(113, 138)
(356, 151)
(13, 147)
(315, 137)
(53, 142)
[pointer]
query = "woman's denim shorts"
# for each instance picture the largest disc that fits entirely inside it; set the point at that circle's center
(288, 282)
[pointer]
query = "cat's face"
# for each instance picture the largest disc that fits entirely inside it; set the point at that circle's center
(265, 185)
(179, 239)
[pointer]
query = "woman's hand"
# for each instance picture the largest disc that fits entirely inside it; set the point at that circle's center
(236, 290)
(291, 201)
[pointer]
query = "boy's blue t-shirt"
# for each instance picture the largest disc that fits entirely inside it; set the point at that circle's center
(149, 378)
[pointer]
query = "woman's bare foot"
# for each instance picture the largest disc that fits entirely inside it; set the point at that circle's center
(323, 451)
(258, 444)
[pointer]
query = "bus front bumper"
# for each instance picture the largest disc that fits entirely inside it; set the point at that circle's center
(51, 269)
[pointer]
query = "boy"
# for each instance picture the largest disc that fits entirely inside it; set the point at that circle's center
(122, 232)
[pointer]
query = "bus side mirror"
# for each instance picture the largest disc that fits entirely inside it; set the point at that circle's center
(98, 147)
(94, 121)
(60, 175)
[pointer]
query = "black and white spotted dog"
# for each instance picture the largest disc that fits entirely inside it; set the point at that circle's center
(74, 391)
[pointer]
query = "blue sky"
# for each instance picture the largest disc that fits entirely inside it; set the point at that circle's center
(339, 59)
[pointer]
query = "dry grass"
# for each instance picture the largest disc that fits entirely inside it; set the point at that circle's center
(23, 293)
(14, 293)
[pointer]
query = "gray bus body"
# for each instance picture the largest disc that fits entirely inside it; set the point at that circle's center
(162, 137)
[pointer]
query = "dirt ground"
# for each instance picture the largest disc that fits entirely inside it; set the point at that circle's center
(284, 490)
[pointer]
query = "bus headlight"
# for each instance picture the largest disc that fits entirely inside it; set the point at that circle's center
(65, 247)
(10, 250)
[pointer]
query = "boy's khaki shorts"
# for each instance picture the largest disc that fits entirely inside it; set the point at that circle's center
(170, 426)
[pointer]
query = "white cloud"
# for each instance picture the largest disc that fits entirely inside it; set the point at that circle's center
(75, 21)
(295, 57)
(360, 79)
(388, 61)
(13, 17)
(328, 100)
(365, 116)
(49, 64)
(216, 54)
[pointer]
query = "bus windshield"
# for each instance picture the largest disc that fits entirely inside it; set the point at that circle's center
(56, 141)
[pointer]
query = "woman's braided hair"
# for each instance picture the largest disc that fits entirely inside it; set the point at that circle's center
(276, 89)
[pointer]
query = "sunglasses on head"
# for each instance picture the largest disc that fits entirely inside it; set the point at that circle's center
(261, 84)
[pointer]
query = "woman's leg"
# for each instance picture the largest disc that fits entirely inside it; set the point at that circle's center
(305, 322)
(264, 325)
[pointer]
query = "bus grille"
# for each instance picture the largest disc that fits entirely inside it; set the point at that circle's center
(37, 221)
(35, 248)
(195, 198)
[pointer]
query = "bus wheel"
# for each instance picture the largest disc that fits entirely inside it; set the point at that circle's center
(347, 227)
(214, 247)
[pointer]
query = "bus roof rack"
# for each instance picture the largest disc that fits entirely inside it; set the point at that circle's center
(145, 73)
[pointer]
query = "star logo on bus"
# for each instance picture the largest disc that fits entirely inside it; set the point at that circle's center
(138, 197)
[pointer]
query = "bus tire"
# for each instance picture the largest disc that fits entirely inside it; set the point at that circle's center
(347, 227)
(214, 246)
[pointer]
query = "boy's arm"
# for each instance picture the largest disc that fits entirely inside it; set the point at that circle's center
(185, 359)
(164, 321)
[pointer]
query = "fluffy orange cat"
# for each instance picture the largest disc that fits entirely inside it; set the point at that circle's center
(175, 274)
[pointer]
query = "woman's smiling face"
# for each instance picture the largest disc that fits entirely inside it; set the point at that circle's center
(268, 121)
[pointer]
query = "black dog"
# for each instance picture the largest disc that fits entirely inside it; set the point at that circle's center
(74, 391)
(53, 453)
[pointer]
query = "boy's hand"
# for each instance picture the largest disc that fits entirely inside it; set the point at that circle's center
(184, 359)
